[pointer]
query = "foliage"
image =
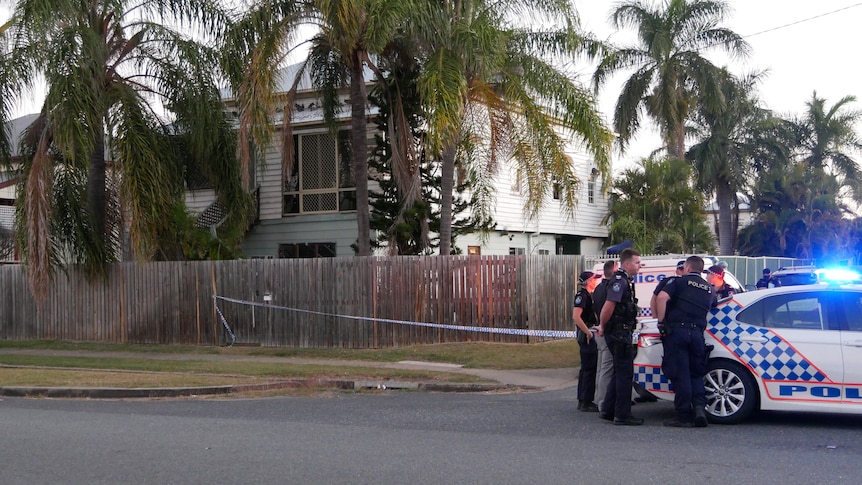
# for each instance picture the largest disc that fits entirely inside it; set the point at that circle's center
(492, 88)
(656, 206)
(100, 161)
(670, 74)
(732, 138)
(828, 140)
(402, 219)
(183, 240)
(799, 216)
(402, 210)
(351, 34)
(801, 199)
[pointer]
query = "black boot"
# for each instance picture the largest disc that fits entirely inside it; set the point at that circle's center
(678, 422)
(700, 417)
(589, 407)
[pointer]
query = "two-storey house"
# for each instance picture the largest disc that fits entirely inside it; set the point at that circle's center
(311, 211)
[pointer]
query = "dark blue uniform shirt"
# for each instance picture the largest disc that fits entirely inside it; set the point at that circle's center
(619, 288)
(584, 301)
(691, 297)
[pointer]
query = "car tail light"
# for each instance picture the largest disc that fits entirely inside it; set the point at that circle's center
(648, 339)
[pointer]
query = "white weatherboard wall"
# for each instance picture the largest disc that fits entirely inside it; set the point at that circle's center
(535, 236)
(198, 200)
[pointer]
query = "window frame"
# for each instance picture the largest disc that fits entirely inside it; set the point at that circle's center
(294, 193)
(756, 312)
(296, 250)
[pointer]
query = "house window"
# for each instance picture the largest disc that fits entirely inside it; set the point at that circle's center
(591, 186)
(558, 190)
(517, 251)
(474, 250)
(322, 179)
(544, 252)
(307, 250)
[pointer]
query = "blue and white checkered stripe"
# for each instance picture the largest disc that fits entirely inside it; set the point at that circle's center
(773, 360)
(645, 312)
(504, 331)
(652, 378)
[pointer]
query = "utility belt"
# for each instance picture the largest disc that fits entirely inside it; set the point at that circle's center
(619, 326)
(691, 325)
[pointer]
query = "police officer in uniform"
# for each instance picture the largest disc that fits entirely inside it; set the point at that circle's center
(605, 371)
(617, 322)
(715, 274)
(680, 270)
(681, 309)
(584, 316)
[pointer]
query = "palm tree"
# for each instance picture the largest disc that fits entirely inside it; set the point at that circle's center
(829, 140)
(656, 205)
(351, 33)
(671, 76)
(800, 214)
(8, 88)
(493, 87)
(730, 138)
(123, 86)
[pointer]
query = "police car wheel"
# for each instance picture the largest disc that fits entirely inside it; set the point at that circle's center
(731, 393)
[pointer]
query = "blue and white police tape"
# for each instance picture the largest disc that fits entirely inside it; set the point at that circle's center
(503, 331)
(226, 326)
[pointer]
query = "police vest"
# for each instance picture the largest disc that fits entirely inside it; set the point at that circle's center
(626, 311)
(584, 301)
(691, 298)
(600, 295)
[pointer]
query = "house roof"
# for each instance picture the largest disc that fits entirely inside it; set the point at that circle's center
(16, 127)
(305, 109)
(286, 76)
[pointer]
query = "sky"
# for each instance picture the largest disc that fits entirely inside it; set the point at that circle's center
(819, 54)
(803, 44)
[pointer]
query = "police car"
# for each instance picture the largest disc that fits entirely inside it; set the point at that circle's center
(808, 275)
(794, 348)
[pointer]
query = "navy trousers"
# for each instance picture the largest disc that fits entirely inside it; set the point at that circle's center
(618, 397)
(684, 363)
(587, 374)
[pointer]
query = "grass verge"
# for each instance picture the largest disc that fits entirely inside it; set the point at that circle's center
(132, 366)
(482, 355)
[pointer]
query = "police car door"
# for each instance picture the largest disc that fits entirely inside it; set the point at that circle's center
(797, 355)
(850, 324)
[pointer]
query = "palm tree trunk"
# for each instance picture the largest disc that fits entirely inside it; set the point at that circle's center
(725, 218)
(447, 186)
(679, 147)
(359, 148)
(96, 189)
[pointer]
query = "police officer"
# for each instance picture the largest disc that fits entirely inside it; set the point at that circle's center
(715, 273)
(617, 321)
(681, 309)
(767, 281)
(680, 270)
(605, 371)
(584, 316)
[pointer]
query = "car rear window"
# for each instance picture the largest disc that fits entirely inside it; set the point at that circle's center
(795, 279)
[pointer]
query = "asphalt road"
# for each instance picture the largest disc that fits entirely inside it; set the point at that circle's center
(408, 437)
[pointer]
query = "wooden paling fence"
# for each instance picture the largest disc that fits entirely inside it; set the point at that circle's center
(299, 302)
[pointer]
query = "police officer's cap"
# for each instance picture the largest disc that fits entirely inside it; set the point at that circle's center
(716, 269)
(583, 277)
(680, 264)
(766, 271)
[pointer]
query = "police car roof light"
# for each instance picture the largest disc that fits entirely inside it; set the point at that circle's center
(838, 275)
